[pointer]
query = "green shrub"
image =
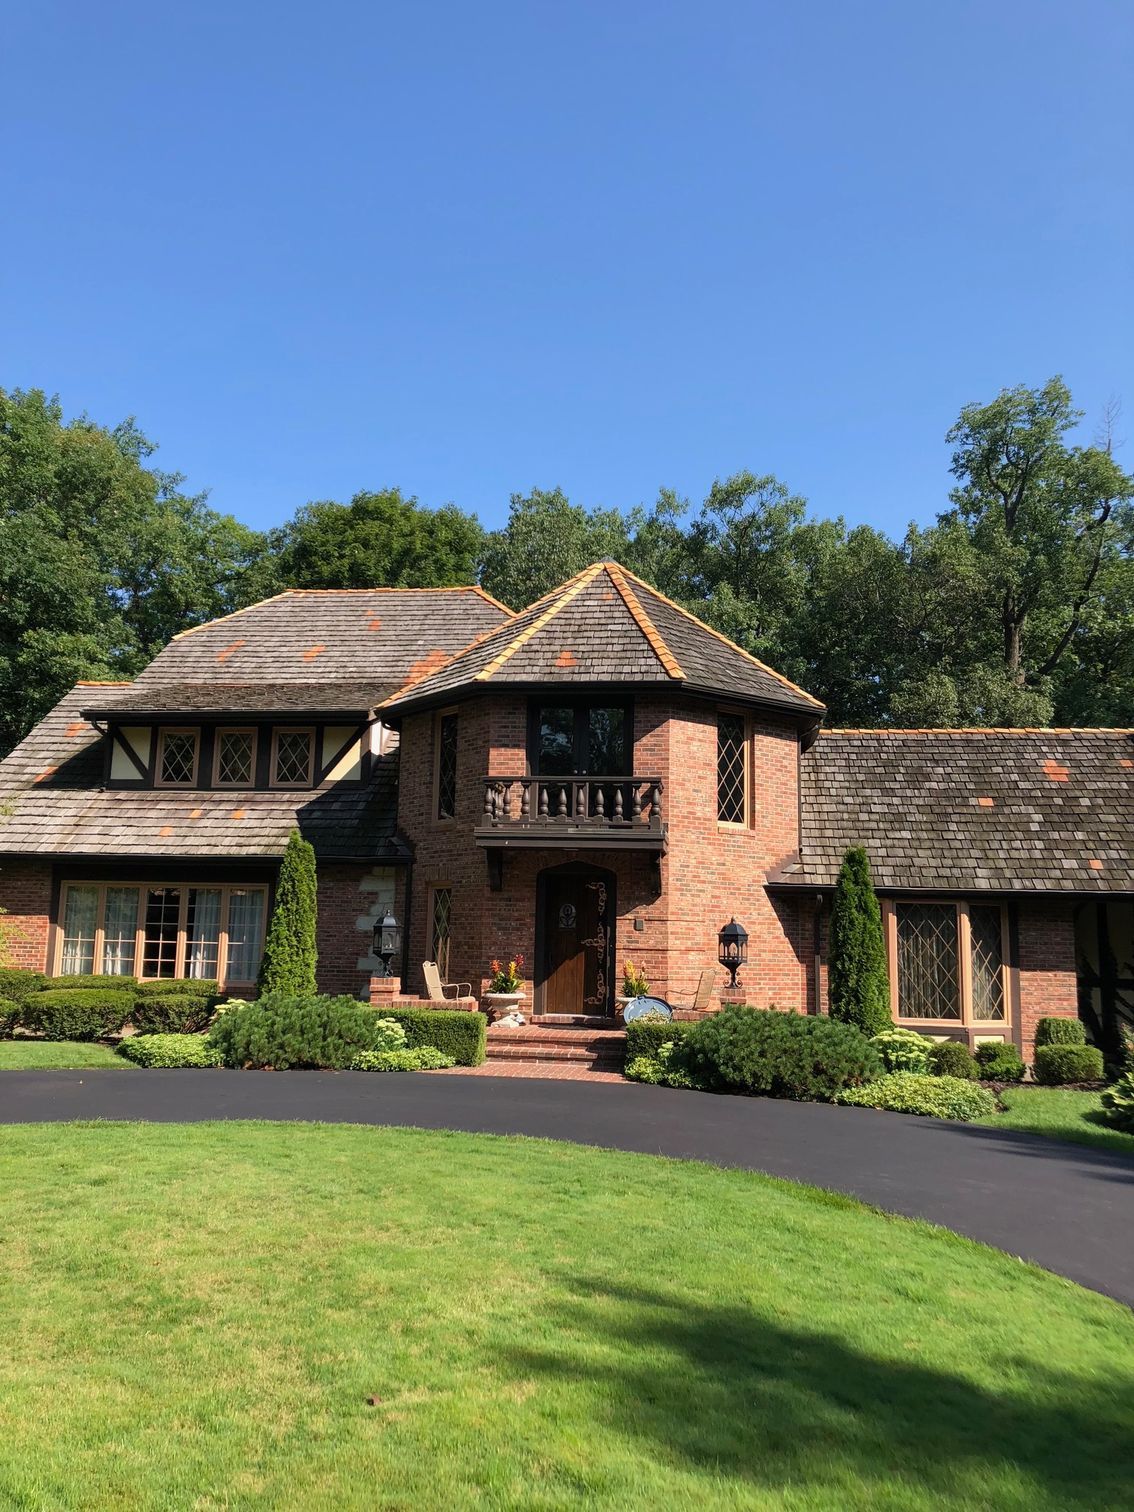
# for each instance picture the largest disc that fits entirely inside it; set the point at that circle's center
(1057, 1065)
(644, 1068)
(170, 1050)
(451, 1030)
(859, 984)
(76, 1013)
(1060, 1031)
(424, 1058)
(177, 986)
(952, 1059)
(9, 1015)
(284, 1031)
(173, 1012)
(1000, 1063)
(903, 1050)
(1118, 1103)
(290, 957)
(93, 983)
(646, 1036)
(931, 1096)
(761, 1050)
(17, 983)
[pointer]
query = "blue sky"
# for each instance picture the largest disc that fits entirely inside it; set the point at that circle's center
(469, 249)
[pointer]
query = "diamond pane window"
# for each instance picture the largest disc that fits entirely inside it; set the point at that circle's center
(442, 915)
(236, 751)
(732, 749)
(177, 762)
(987, 964)
(929, 977)
(292, 766)
(447, 767)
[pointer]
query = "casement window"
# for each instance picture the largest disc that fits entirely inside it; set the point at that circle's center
(445, 781)
(440, 928)
(177, 758)
(234, 759)
(948, 963)
(162, 931)
(732, 769)
(293, 757)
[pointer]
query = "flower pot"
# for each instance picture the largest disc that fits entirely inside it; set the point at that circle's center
(498, 1003)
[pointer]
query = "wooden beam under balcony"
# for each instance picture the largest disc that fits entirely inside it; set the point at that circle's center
(580, 812)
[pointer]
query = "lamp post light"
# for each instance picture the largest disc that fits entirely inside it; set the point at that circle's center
(732, 948)
(387, 937)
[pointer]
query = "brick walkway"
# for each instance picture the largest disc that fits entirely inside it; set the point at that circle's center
(533, 1070)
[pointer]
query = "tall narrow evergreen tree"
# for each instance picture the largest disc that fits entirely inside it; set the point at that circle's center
(858, 982)
(289, 951)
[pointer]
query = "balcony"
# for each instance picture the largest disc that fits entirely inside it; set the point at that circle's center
(577, 812)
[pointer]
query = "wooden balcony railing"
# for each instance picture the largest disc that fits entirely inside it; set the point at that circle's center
(541, 810)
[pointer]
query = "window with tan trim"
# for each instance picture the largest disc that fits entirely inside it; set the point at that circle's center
(445, 766)
(153, 930)
(293, 757)
(732, 768)
(177, 755)
(948, 963)
(234, 758)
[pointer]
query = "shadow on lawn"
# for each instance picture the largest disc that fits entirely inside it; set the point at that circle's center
(752, 1399)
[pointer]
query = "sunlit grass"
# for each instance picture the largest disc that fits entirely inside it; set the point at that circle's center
(1062, 1114)
(55, 1055)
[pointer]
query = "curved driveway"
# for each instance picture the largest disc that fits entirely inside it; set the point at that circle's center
(1068, 1208)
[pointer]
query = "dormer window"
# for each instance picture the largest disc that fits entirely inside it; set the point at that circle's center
(293, 753)
(235, 759)
(177, 758)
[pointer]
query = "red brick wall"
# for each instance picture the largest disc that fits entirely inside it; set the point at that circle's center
(25, 895)
(1048, 987)
(340, 941)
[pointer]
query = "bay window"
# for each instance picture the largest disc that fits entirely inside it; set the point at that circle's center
(948, 963)
(162, 931)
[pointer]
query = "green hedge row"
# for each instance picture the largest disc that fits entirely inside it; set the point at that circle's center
(454, 1032)
(647, 1036)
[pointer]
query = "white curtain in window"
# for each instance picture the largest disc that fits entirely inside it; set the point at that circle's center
(80, 920)
(121, 924)
(202, 945)
(245, 921)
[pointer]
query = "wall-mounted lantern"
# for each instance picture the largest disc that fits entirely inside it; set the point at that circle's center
(732, 948)
(387, 937)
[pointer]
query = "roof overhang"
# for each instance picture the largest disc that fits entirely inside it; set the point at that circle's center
(116, 714)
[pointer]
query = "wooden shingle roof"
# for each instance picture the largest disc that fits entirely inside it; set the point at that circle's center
(970, 810)
(605, 625)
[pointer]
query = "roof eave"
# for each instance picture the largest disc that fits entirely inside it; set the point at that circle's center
(121, 715)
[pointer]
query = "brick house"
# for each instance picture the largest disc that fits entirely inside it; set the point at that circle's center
(599, 777)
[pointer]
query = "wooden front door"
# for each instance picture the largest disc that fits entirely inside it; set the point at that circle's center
(576, 918)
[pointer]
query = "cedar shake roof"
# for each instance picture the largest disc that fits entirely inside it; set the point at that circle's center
(223, 698)
(51, 803)
(607, 626)
(970, 810)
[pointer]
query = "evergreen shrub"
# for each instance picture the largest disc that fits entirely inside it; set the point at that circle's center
(77, 1013)
(1057, 1065)
(858, 981)
(453, 1031)
(290, 956)
(285, 1031)
(173, 1012)
(761, 1050)
(646, 1036)
(949, 1058)
(1118, 1103)
(17, 983)
(1060, 1031)
(1000, 1063)
(9, 1015)
(169, 1050)
(931, 1096)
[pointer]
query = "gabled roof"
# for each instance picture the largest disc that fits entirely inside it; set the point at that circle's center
(605, 625)
(970, 810)
(154, 700)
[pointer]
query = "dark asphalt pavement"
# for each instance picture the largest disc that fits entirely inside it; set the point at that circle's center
(1069, 1209)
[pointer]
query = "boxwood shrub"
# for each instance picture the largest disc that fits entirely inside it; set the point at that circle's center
(76, 1013)
(1056, 1065)
(17, 983)
(9, 1015)
(173, 1012)
(931, 1096)
(283, 1031)
(170, 1050)
(1000, 1063)
(175, 986)
(950, 1058)
(761, 1050)
(1060, 1031)
(454, 1032)
(645, 1037)
(94, 983)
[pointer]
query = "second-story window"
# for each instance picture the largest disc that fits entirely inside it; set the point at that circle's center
(292, 754)
(235, 758)
(177, 758)
(732, 769)
(447, 766)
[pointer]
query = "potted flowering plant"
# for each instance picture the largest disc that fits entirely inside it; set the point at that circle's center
(635, 983)
(506, 985)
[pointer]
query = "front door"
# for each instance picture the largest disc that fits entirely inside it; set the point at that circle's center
(576, 916)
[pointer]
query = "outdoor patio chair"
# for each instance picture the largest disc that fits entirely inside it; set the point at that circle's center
(703, 997)
(443, 992)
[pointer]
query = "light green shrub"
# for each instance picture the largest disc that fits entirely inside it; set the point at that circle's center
(931, 1096)
(169, 1050)
(1118, 1103)
(424, 1058)
(903, 1050)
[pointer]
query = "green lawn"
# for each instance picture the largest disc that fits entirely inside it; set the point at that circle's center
(55, 1055)
(194, 1317)
(1062, 1114)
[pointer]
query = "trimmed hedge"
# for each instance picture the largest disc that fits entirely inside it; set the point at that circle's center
(762, 1050)
(283, 1031)
(169, 1050)
(1060, 1031)
(424, 1058)
(645, 1037)
(949, 1058)
(77, 1013)
(93, 983)
(1056, 1065)
(9, 1015)
(1000, 1063)
(452, 1031)
(17, 983)
(173, 1012)
(931, 1096)
(177, 986)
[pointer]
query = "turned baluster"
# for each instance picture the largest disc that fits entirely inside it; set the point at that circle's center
(656, 805)
(525, 800)
(635, 801)
(507, 786)
(542, 803)
(562, 803)
(581, 789)
(488, 804)
(600, 801)
(618, 803)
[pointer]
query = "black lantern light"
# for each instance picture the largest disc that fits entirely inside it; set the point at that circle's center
(732, 948)
(387, 937)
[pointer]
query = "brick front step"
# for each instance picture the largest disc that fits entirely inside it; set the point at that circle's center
(570, 1053)
(586, 1047)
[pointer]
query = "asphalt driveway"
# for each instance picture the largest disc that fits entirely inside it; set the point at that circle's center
(1069, 1209)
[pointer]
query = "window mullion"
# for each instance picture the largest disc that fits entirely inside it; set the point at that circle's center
(182, 926)
(140, 929)
(222, 937)
(965, 956)
(100, 931)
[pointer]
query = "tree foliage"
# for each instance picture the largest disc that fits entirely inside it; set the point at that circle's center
(290, 956)
(858, 983)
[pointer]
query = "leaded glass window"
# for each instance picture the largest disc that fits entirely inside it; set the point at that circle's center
(177, 758)
(292, 765)
(447, 766)
(732, 777)
(440, 929)
(929, 976)
(236, 753)
(988, 964)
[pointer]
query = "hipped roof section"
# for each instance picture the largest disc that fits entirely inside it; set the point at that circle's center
(605, 625)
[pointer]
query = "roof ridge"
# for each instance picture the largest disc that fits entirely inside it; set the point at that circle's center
(645, 624)
(755, 660)
(103, 682)
(980, 730)
(295, 592)
(566, 593)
